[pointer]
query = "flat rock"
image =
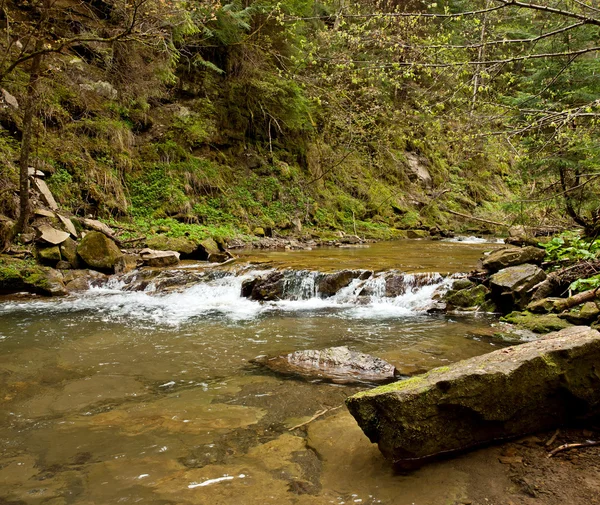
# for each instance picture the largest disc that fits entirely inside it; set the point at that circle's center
(44, 190)
(504, 394)
(337, 364)
(68, 224)
(513, 256)
(96, 225)
(52, 235)
(154, 258)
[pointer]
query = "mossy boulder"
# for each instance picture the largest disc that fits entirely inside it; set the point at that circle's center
(543, 306)
(538, 323)
(185, 247)
(510, 286)
(474, 296)
(68, 252)
(583, 314)
(48, 255)
(507, 393)
(99, 252)
(417, 233)
(18, 276)
(513, 256)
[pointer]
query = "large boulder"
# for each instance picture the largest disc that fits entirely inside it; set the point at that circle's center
(185, 247)
(99, 252)
(507, 393)
(17, 276)
(510, 286)
(337, 364)
(268, 288)
(513, 256)
(329, 284)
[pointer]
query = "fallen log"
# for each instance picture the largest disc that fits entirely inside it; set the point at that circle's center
(567, 303)
(504, 394)
(473, 218)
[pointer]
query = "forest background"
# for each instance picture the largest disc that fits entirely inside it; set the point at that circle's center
(374, 117)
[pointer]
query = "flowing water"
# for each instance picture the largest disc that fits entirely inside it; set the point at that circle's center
(118, 396)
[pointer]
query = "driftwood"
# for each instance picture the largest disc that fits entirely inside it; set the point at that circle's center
(560, 279)
(579, 298)
(579, 445)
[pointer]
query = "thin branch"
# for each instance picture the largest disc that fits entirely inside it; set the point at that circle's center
(551, 10)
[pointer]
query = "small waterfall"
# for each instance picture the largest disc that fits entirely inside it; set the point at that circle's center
(172, 297)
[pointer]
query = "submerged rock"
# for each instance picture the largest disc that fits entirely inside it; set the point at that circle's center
(336, 364)
(507, 393)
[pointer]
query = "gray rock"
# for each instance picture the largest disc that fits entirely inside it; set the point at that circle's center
(154, 258)
(337, 364)
(267, 288)
(127, 263)
(513, 256)
(68, 224)
(507, 393)
(510, 286)
(10, 99)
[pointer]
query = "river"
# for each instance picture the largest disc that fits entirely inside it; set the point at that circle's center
(116, 396)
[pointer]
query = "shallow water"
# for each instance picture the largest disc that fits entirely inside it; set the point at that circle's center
(134, 397)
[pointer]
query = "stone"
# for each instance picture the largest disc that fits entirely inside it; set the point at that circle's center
(49, 255)
(543, 306)
(417, 234)
(187, 249)
(94, 224)
(32, 172)
(267, 288)
(297, 225)
(63, 265)
(219, 257)
(68, 252)
(126, 263)
(513, 256)
(584, 314)
(474, 296)
(329, 284)
(459, 284)
(337, 364)
(537, 323)
(154, 258)
(10, 99)
(418, 171)
(44, 213)
(350, 239)
(44, 190)
(52, 235)
(102, 88)
(510, 286)
(207, 247)
(511, 392)
(98, 251)
(68, 224)
(259, 231)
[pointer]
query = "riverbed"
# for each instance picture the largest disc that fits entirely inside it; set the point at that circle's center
(141, 397)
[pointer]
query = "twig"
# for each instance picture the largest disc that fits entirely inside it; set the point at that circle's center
(135, 239)
(316, 416)
(566, 447)
(552, 438)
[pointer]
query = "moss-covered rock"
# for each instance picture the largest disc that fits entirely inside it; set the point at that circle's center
(474, 296)
(19, 275)
(417, 233)
(543, 306)
(68, 252)
(510, 286)
(99, 252)
(506, 393)
(185, 247)
(538, 323)
(583, 314)
(49, 255)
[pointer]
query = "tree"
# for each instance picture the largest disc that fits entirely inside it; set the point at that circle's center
(38, 29)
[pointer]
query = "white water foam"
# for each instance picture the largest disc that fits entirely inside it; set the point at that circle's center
(222, 297)
(474, 240)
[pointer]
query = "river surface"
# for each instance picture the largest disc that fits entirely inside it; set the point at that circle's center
(138, 397)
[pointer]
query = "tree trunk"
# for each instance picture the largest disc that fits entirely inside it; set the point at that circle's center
(28, 113)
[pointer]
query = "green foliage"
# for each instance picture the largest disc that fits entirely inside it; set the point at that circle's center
(570, 246)
(585, 284)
